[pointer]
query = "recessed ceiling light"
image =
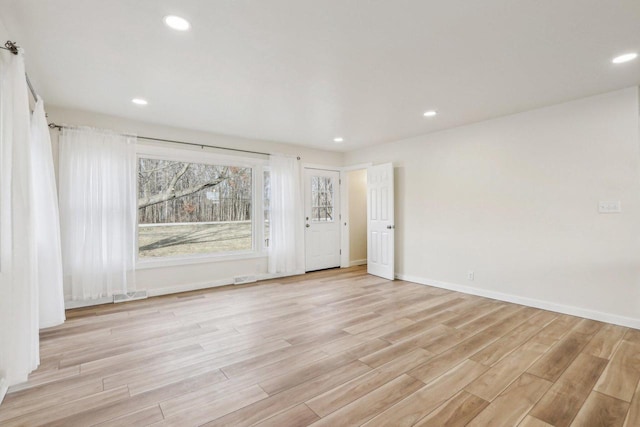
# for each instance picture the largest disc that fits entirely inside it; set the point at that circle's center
(139, 101)
(430, 113)
(338, 139)
(177, 23)
(625, 58)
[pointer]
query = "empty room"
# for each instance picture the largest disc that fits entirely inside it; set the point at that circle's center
(319, 213)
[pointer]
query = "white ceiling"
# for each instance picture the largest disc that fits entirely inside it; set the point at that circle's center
(306, 71)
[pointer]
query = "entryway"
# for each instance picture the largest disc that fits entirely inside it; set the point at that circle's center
(322, 218)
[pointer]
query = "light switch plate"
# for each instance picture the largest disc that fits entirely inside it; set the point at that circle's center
(611, 206)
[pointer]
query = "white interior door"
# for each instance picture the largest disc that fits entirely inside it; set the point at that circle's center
(380, 221)
(322, 222)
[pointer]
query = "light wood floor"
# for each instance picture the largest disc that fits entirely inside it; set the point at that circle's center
(333, 348)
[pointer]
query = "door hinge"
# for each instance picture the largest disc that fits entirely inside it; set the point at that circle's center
(339, 182)
(340, 251)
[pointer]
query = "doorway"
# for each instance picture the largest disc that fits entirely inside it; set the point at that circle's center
(322, 219)
(356, 181)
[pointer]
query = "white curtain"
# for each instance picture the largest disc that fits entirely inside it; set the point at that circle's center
(47, 222)
(286, 241)
(98, 212)
(19, 341)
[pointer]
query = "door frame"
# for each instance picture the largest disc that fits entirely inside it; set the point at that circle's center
(340, 201)
(344, 209)
(344, 203)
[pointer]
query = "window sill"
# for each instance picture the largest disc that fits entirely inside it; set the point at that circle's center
(144, 264)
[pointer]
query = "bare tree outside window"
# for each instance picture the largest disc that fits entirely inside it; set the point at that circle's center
(321, 199)
(192, 208)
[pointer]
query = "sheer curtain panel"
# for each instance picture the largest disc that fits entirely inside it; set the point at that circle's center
(19, 341)
(98, 212)
(286, 244)
(47, 222)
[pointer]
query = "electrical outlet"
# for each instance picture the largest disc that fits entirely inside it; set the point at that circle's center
(470, 275)
(612, 206)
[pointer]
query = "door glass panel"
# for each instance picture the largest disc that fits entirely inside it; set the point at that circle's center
(321, 199)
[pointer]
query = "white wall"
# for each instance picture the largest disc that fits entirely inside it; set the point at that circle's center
(515, 200)
(179, 278)
(357, 181)
(4, 34)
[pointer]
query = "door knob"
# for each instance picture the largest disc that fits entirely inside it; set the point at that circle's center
(390, 227)
(308, 226)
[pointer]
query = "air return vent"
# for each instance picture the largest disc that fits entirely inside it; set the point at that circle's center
(129, 296)
(241, 280)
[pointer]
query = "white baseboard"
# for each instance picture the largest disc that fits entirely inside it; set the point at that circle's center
(179, 288)
(189, 287)
(53, 323)
(531, 302)
(68, 305)
(270, 276)
(3, 389)
(357, 262)
(212, 284)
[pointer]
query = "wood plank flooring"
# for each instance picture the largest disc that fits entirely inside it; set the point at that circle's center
(334, 348)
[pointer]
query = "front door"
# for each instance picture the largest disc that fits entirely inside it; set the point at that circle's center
(322, 222)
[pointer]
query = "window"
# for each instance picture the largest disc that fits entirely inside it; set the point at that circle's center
(187, 208)
(321, 199)
(266, 205)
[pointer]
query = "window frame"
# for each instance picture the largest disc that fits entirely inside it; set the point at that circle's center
(266, 168)
(313, 219)
(207, 156)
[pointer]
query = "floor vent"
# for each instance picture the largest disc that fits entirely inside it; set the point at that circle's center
(129, 296)
(241, 280)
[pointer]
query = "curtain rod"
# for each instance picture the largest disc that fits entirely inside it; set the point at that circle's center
(13, 48)
(60, 127)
